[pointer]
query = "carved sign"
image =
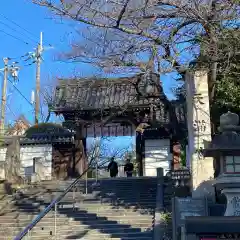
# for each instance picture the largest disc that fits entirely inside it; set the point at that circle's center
(235, 202)
(229, 236)
(185, 207)
(221, 236)
(199, 126)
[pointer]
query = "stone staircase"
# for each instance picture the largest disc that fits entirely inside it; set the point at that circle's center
(121, 208)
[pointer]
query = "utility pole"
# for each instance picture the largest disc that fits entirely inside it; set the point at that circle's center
(4, 93)
(38, 61)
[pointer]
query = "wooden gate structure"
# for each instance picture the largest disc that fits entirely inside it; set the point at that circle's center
(120, 107)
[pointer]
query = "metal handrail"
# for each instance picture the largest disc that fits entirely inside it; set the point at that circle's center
(48, 208)
(30, 226)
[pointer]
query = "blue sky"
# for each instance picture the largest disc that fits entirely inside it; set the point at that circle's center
(35, 19)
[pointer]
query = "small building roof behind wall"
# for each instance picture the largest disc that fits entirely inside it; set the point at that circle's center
(47, 133)
(49, 129)
(43, 133)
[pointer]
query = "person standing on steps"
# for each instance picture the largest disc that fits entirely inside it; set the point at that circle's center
(128, 168)
(113, 168)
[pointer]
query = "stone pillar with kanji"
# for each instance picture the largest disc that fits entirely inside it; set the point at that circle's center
(199, 127)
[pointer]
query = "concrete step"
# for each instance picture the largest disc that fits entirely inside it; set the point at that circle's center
(120, 212)
(82, 197)
(84, 211)
(117, 229)
(87, 234)
(81, 236)
(81, 225)
(62, 211)
(111, 210)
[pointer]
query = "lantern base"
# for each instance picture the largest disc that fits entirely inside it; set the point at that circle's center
(233, 201)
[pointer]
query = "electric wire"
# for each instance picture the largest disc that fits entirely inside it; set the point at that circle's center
(29, 55)
(10, 93)
(15, 30)
(11, 111)
(19, 57)
(18, 25)
(17, 38)
(19, 91)
(13, 22)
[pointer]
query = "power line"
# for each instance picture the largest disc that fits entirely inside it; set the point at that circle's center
(10, 93)
(19, 92)
(15, 30)
(27, 31)
(22, 93)
(11, 111)
(13, 22)
(17, 38)
(20, 57)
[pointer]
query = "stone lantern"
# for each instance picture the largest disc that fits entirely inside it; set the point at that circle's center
(226, 148)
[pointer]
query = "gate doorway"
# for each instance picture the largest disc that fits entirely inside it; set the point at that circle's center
(117, 107)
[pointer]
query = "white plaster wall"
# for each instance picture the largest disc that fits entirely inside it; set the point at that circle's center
(27, 153)
(157, 154)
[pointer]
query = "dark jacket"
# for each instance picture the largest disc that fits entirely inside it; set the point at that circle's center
(128, 167)
(113, 167)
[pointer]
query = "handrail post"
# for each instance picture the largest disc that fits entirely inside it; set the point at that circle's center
(28, 234)
(29, 227)
(96, 172)
(55, 221)
(73, 196)
(86, 187)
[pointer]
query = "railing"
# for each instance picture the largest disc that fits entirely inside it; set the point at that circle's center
(56, 201)
(53, 204)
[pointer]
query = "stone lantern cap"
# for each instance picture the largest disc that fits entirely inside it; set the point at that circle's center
(229, 122)
(228, 140)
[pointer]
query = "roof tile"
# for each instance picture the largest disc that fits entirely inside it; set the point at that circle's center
(98, 94)
(85, 94)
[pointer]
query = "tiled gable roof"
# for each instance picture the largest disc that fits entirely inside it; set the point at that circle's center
(87, 94)
(120, 93)
(44, 133)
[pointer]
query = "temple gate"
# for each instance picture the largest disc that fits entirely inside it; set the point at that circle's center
(124, 106)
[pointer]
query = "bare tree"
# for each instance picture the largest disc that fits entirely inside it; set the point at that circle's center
(47, 94)
(119, 34)
(100, 152)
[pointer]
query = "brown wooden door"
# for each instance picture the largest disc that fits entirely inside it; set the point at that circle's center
(61, 162)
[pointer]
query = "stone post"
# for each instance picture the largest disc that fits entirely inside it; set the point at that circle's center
(159, 226)
(199, 126)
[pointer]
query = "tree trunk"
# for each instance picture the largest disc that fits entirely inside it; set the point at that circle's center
(12, 161)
